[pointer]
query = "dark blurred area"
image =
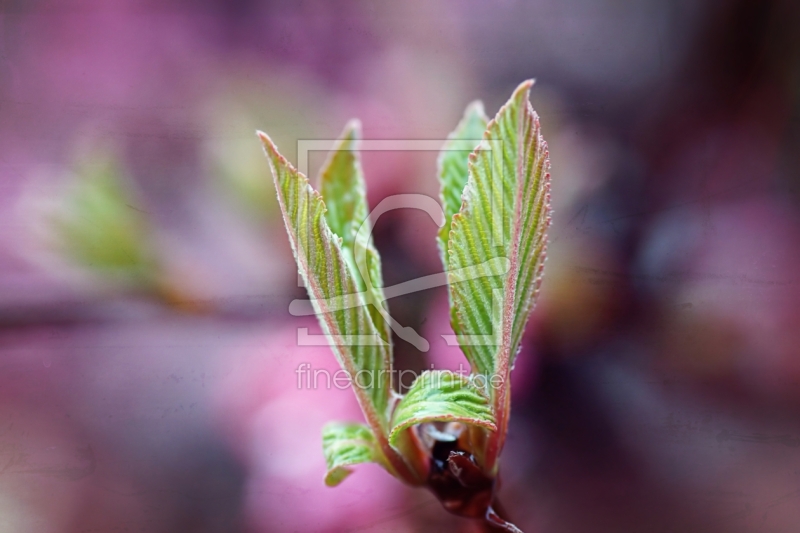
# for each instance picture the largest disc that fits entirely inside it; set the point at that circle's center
(147, 355)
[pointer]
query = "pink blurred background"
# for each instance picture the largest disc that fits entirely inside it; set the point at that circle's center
(147, 356)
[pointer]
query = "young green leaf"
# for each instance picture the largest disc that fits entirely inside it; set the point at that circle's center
(505, 213)
(344, 193)
(342, 187)
(333, 285)
(345, 445)
(452, 163)
(441, 396)
(328, 278)
(98, 228)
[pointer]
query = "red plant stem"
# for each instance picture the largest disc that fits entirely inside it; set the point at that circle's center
(494, 445)
(497, 519)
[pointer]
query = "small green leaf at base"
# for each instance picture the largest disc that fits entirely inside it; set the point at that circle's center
(441, 396)
(344, 445)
